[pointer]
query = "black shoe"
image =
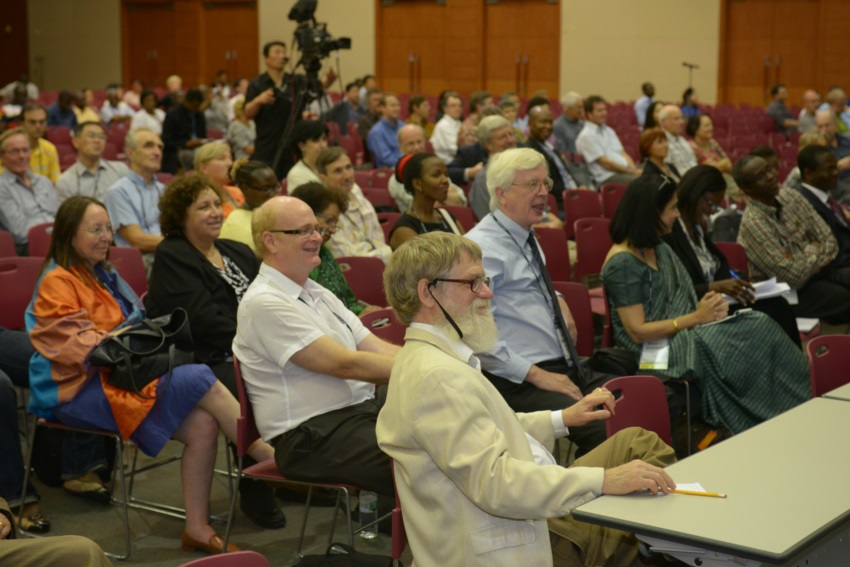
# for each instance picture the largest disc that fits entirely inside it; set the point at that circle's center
(257, 503)
(88, 489)
(322, 497)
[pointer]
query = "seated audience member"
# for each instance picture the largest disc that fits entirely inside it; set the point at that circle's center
(444, 138)
(425, 178)
(309, 138)
(258, 184)
(509, 110)
(240, 87)
(601, 148)
(214, 107)
(148, 116)
(689, 104)
(371, 114)
(806, 119)
(796, 246)
(520, 123)
(328, 205)
(91, 175)
(367, 83)
(347, 110)
(652, 112)
(706, 149)
(534, 364)
(836, 101)
(57, 551)
(133, 201)
(383, 137)
(700, 193)
(207, 276)
(680, 153)
(644, 102)
(84, 106)
(652, 298)
(777, 110)
(214, 160)
(654, 147)
(539, 131)
(569, 124)
(174, 96)
(812, 138)
(468, 162)
(819, 172)
(184, 130)
(419, 112)
(241, 133)
(314, 400)
(134, 94)
(436, 283)
(478, 101)
(14, 106)
(61, 112)
(359, 233)
(30, 89)
(115, 110)
(827, 123)
(44, 159)
(26, 199)
(79, 301)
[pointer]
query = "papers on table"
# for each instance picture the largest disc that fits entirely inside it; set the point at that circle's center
(764, 290)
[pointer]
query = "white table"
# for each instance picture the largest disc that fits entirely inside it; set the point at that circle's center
(788, 486)
(840, 393)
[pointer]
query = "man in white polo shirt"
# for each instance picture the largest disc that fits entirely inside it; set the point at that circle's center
(601, 148)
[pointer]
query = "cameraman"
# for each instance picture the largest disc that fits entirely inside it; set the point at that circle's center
(269, 103)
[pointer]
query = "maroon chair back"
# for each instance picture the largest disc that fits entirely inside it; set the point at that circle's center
(641, 402)
(379, 197)
(246, 428)
(128, 263)
(592, 245)
(164, 178)
(553, 242)
(388, 221)
(736, 255)
(38, 239)
(363, 178)
(579, 204)
(578, 300)
(381, 178)
(366, 278)
(18, 276)
(7, 245)
(464, 216)
(384, 325)
(829, 363)
(611, 195)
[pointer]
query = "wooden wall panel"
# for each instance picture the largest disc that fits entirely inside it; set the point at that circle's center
(835, 63)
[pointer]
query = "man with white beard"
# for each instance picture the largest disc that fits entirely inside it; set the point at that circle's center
(475, 479)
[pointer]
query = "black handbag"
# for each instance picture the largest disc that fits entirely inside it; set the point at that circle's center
(341, 555)
(145, 351)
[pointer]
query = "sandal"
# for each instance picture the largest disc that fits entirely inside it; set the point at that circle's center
(88, 486)
(34, 523)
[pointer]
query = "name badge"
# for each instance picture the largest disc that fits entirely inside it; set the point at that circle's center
(655, 355)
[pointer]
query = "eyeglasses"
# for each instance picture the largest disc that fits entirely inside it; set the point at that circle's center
(305, 232)
(714, 208)
(332, 224)
(265, 189)
(475, 284)
(99, 231)
(535, 184)
(94, 136)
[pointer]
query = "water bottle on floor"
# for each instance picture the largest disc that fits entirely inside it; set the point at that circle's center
(368, 513)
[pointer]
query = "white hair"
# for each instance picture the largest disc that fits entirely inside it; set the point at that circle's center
(502, 167)
(570, 99)
(666, 111)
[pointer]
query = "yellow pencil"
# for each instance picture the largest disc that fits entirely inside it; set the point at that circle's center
(694, 493)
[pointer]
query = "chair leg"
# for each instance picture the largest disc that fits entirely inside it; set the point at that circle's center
(27, 468)
(119, 460)
(304, 522)
(233, 495)
(688, 410)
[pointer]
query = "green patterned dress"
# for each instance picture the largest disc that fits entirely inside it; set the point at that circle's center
(329, 275)
(747, 369)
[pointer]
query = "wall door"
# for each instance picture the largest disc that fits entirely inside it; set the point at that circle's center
(13, 40)
(231, 38)
(148, 39)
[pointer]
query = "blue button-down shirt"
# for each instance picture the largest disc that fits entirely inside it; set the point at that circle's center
(520, 305)
(22, 207)
(132, 201)
(383, 142)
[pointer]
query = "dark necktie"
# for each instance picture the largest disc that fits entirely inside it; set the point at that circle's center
(560, 322)
(836, 208)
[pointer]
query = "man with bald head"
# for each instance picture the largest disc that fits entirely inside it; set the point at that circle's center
(681, 155)
(836, 100)
(827, 123)
(309, 364)
(806, 119)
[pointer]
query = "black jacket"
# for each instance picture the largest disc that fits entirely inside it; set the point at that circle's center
(183, 277)
(681, 244)
(560, 184)
(176, 131)
(469, 155)
(841, 231)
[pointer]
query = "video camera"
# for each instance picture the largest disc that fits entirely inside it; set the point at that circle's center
(313, 39)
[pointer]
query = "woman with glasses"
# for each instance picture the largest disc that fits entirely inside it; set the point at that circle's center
(426, 178)
(214, 160)
(79, 301)
(746, 368)
(207, 276)
(258, 184)
(328, 205)
(700, 193)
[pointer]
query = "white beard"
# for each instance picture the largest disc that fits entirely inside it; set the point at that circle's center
(479, 329)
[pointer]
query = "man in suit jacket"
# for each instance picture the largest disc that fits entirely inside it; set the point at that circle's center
(471, 474)
(468, 163)
(347, 110)
(183, 131)
(819, 171)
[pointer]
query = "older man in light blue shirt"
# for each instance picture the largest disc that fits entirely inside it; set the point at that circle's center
(26, 199)
(533, 365)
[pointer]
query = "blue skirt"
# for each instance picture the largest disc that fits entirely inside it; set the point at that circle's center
(91, 410)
